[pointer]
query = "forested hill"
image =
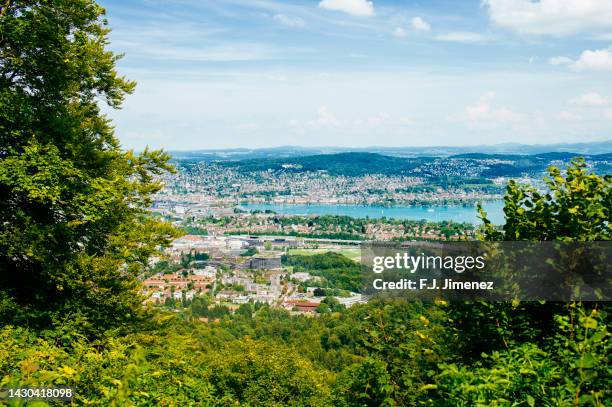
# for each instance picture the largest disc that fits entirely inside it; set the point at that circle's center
(476, 164)
(349, 164)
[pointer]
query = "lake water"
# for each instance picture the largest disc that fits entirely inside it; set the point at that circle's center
(456, 213)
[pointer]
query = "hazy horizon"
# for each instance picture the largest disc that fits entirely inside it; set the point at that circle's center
(374, 147)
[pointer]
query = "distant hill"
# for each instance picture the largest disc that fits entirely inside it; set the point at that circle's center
(237, 154)
(458, 166)
(350, 164)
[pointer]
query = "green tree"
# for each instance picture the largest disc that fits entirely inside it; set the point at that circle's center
(403, 343)
(577, 208)
(323, 308)
(251, 251)
(74, 229)
(199, 306)
(330, 304)
(259, 373)
(245, 310)
(559, 348)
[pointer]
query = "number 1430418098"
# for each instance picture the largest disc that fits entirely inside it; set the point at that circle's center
(37, 393)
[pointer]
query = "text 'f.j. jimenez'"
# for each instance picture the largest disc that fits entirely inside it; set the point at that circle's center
(431, 284)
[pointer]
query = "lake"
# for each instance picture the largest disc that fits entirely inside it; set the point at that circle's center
(435, 213)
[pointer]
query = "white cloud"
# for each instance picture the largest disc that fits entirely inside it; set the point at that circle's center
(289, 21)
(418, 24)
(596, 60)
(353, 7)
(607, 113)
(550, 17)
(590, 100)
(463, 36)
(560, 60)
(484, 111)
(589, 60)
(400, 32)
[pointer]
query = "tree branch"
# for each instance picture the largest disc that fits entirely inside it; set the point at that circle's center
(7, 5)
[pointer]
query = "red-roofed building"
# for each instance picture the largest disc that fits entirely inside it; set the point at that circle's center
(303, 306)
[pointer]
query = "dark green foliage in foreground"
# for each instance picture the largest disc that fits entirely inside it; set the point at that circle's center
(577, 208)
(383, 353)
(74, 229)
(168, 364)
(540, 336)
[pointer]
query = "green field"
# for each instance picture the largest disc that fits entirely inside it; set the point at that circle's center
(353, 254)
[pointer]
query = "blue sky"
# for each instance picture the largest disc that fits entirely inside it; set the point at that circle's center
(357, 73)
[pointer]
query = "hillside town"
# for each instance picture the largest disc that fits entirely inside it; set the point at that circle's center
(210, 181)
(235, 270)
(232, 255)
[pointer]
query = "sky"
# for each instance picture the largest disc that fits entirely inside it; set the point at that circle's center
(357, 73)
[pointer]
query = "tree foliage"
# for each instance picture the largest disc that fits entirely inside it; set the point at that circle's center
(577, 207)
(74, 230)
(558, 345)
(337, 270)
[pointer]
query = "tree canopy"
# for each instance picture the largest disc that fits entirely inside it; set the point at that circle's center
(577, 207)
(74, 230)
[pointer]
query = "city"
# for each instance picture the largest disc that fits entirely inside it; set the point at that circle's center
(234, 252)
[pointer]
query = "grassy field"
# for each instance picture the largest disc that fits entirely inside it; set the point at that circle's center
(353, 254)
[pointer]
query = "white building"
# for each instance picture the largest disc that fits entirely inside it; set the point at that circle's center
(241, 299)
(352, 300)
(208, 271)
